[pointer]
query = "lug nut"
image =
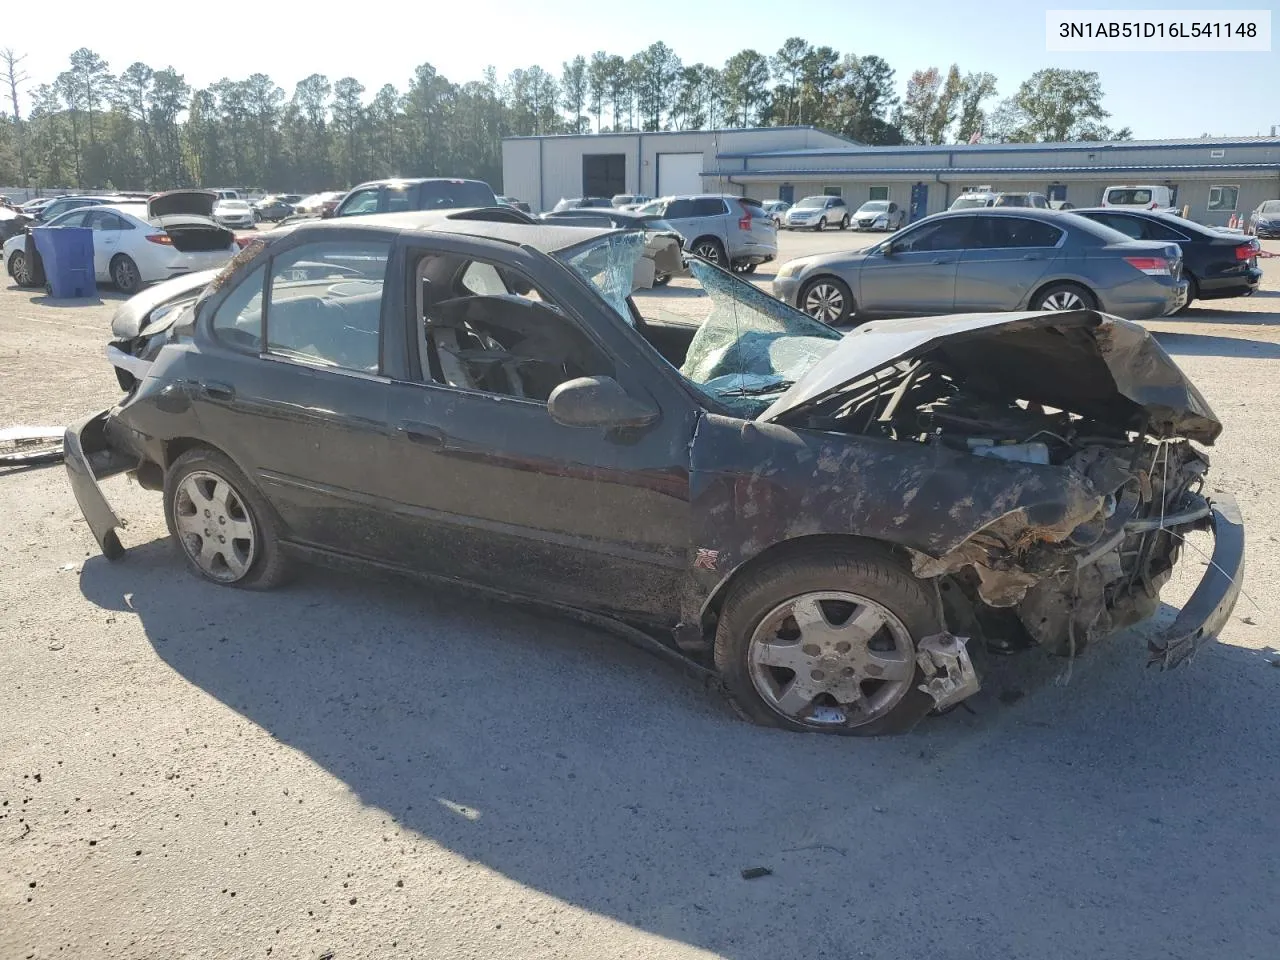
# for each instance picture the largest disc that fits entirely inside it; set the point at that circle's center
(812, 649)
(843, 646)
(818, 675)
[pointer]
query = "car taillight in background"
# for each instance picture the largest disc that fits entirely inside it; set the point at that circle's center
(744, 222)
(163, 239)
(1151, 266)
(243, 242)
(1247, 251)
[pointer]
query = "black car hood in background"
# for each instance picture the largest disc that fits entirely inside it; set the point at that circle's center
(1081, 361)
(196, 203)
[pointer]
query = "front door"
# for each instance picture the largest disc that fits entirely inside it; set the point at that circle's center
(914, 273)
(492, 490)
(919, 202)
(1006, 258)
(1057, 191)
(787, 193)
(297, 390)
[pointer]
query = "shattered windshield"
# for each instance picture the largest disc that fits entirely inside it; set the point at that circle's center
(744, 347)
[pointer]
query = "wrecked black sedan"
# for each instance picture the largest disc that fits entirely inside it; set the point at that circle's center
(826, 523)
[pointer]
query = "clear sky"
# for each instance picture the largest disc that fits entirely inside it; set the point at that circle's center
(1156, 94)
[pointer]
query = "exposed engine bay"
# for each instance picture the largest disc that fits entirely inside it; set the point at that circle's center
(1017, 582)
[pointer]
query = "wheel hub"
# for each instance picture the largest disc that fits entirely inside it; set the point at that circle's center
(831, 658)
(214, 526)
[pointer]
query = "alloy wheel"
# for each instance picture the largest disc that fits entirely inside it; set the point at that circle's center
(831, 658)
(708, 251)
(21, 274)
(825, 302)
(214, 526)
(125, 275)
(1064, 300)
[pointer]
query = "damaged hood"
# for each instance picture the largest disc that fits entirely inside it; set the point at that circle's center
(1082, 361)
(133, 316)
(195, 203)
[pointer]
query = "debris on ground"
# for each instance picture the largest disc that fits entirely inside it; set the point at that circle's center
(755, 873)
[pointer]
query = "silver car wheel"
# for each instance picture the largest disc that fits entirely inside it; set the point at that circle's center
(1064, 300)
(824, 302)
(214, 526)
(21, 274)
(831, 658)
(708, 251)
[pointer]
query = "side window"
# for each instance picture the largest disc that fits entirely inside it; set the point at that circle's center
(708, 207)
(949, 234)
(1014, 232)
(514, 343)
(1160, 231)
(365, 201)
(238, 321)
(1129, 226)
(73, 219)
(679, 210)
(102, 220)
(326, 303)
(398, 199)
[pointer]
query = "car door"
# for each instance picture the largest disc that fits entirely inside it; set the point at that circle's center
(679, 213)
(294, 392)
(107, 230)
(914, 273)
(492, 489)
(1005, 262)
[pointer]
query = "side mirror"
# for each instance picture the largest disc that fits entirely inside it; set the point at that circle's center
(598, 402)
(890, 248)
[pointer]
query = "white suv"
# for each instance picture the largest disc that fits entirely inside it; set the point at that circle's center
(817, 213)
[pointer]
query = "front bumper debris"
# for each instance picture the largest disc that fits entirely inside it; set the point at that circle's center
(1207, 612)
(948, 672)
(90, 458)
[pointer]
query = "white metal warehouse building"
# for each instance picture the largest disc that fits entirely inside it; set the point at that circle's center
(1214, 177)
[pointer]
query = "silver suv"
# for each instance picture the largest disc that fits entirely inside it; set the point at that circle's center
(732, 232)
(817, 213)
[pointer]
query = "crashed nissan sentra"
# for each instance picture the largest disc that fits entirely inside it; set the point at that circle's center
(828, 525)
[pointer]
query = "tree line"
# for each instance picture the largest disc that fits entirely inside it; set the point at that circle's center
(147, 128)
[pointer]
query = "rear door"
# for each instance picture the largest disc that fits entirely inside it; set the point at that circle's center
(296, 395)
(1006, 258)
(919, 276)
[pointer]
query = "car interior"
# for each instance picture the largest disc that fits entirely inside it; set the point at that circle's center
(488, 329)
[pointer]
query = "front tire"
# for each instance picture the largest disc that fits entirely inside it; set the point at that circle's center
(844, 222)
(827, 299)
(125, 275)
(827, 643)
(225, 530)
(822, 225)
(1064, 296)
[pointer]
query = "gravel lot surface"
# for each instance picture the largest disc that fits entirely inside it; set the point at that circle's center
(353, 768)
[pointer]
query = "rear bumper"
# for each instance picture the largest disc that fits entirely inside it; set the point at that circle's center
(1207, 612)
(89, 457)
(1235, 285)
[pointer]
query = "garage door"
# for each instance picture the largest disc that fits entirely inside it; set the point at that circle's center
(679, 173)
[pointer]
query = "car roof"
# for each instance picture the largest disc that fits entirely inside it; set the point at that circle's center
(410, 180)
(1026, 213)
(542, 236)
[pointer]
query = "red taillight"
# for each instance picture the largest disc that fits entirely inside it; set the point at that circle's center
(744, 222)
(1247, 251)
(1152, 266)
(161, 238)
(243, 242)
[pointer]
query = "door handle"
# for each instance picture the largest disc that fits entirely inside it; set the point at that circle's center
(423, 433)
(942, 260)
(1031, 256)
(215, 390)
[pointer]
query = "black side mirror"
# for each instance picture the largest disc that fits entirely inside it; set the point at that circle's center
(598, 402)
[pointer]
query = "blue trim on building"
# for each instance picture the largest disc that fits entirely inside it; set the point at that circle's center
(817, 173)
(961, 148)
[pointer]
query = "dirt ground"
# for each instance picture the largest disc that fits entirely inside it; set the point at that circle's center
(351, 768)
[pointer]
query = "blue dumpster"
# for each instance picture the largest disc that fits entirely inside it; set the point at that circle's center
(67, 253)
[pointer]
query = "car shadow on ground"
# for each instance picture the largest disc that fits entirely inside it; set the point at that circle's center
(1202, 312)
(1060, 807)
(1206, 345)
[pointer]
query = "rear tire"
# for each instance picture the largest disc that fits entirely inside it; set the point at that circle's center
(242, 533)
(18, 269)
(712, 250)
(124, 274)
(1064, 296)
(827, 299)
(762, 625)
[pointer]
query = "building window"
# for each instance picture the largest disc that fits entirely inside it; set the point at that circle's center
(1217, 154)
(833, 191)
(1223, 198)
(878, 193)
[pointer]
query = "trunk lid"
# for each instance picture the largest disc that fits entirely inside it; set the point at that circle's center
(197, 203)
(1081, 361)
